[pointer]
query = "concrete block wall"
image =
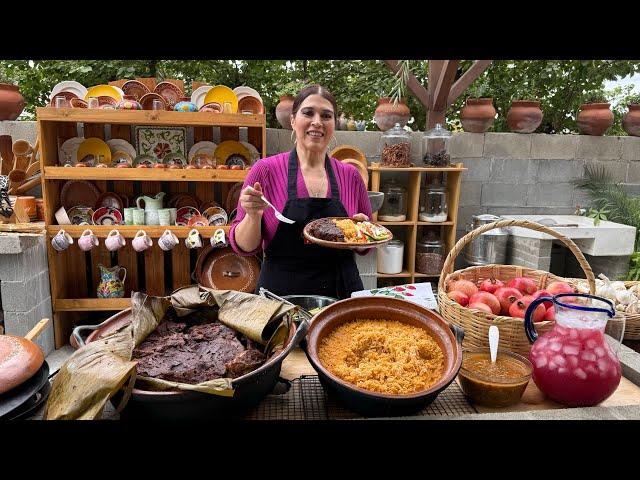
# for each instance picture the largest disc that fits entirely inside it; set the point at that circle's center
(24, 286)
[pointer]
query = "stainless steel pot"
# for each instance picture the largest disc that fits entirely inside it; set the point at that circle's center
(309, 302)
(488, 248)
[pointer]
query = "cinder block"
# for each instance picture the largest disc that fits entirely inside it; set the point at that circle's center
(557, 210)
(630, 148)
(503, 194)
(470, 193)
(559, 147)
(44, 287)
(513, 170)
(466, 145)
(19, 130)
(632, 188)
(618, 170)
(558, 171)
(285, 144)
(478, 169)
(20, 296)
(18, 267)
(560, 194)
(633, 172)
(599, 148)
(507, 145)
(273, 141)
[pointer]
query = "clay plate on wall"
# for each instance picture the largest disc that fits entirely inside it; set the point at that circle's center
(223, 269)
(135, 88)
(78, 192)
(169, 92)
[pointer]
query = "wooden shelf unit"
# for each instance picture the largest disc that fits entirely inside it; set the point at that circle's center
(412, 224)
(73, 273)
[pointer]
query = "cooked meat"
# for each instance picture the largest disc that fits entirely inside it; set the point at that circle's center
(245, 362)
(326, 229)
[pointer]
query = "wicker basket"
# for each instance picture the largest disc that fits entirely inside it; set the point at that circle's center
(475, 322)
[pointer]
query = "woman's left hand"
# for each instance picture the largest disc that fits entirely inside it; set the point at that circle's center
(360, 217)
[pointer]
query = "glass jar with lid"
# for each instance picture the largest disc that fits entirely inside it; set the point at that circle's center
(435, 145)
(390, 257)
(433, 204)
(394, 206)
(395, 147)
(429, 254)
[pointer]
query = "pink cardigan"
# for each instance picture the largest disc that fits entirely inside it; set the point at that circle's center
(271, 172)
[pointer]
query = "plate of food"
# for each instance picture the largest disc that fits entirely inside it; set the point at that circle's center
(346, 233)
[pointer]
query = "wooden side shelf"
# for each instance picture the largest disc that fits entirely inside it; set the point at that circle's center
(144, 174)
(90, 304)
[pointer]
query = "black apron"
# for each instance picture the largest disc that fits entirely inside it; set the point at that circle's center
(293, 267)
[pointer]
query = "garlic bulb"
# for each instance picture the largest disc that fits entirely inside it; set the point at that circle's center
(618, 285)
(606, 290)
(620, 307)
(635, 289)
(582, 286)
(625, 297)
(633, 307)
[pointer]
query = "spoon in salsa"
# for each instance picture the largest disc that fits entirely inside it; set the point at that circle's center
(494, 336)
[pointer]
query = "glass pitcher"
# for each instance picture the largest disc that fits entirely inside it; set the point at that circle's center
(573, 364)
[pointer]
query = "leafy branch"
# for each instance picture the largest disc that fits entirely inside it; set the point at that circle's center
(399, 89)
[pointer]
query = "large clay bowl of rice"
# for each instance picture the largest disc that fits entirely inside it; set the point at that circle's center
(383, 356)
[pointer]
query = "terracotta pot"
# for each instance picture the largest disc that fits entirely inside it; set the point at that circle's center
(387, 113)
(477, 115)
(283, 111)
(11, 102)
(524, 116)
(631, 120)
(594, 118)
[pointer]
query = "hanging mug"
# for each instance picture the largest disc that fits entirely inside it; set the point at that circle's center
(87, 240)
(193, 240)
(218, 239)
(141, 241)
(168, 240)
(61, 241)
(114, 240)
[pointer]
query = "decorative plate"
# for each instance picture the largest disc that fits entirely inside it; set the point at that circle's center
(71, 86)
(78, 192)
(215, 216)
(379, 229)
(78, 103)
(250, 104)
(244, 91)
(68, 95)
(81, 215)
(135, 89)
(116, 144)
(198, 221)
(214, 107)
(228, 148)
(68, 149)
(185, 214)
(222, 94)
(104, 91)
(110, 200)
(120, 159)
(198, 95)
(186, 200)
(96, 147)
(107, 216)
(105, 101)
(255, 154)
(160, 141)
(175, 159)
(142, 161)
(202, 147)
(147, 101)
(170, 92)
(232, 197)
(204, 205)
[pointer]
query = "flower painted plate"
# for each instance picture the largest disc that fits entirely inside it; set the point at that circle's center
(198, 95)
(222, 94)
(81, 215)
(71, 86)
(135, 89)
(104, 91)
(107, 216)
(175, 159)
(228, 148)
(116, 144)
(185, 214)
(160, 141)
(170, 92)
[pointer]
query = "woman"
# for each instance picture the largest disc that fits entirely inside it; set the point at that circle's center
(304, 184)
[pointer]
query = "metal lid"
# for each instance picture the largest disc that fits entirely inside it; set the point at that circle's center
(395, 243)
(486, 218)
(396, 131)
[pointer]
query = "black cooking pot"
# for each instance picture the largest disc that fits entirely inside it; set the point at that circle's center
(249, 389)
(366, 402)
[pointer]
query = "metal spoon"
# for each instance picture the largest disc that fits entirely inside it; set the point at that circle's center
(494, 336)
(279, 215)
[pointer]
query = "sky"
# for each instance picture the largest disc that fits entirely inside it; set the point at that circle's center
(630, 80)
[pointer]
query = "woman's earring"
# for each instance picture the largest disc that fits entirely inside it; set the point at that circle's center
(293, 137)
(335, 140)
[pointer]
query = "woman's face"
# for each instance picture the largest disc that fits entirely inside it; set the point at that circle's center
(314, 123)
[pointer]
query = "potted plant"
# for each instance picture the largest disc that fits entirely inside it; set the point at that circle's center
(478, 114)
(595, 116)
(11, 101)
(287, 93)
(525, 114)
(631, 119)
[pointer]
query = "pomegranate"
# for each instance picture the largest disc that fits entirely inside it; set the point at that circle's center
(488, 299)
(459, 297)
(464, 286)
(506, 296)
(525, 285)
(550, 315)
(555, 288)
(543, 293)
(491, 285)
(519, 308)
(480, 306)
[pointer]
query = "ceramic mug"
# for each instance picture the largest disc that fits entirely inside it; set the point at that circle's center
(114, 240)
(128, 215)
(138, 216)
(168, 240)
(151, 217)
(87, 240)
(164, 216)
(62, 217)
(219, 239)
(141, 241)
(61, 241)
(193, 240)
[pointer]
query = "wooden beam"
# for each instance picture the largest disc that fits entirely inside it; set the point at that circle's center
(413, 84)
(435, 67)
(467, 79)
(445, 80)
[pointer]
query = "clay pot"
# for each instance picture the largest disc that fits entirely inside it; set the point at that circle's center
(594, 118)
(11, 102)
(477, 115)
(631, 120)
(283, 111)
(524, 116)
(387, 114)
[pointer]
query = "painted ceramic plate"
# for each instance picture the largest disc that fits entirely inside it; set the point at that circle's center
(202, 147)
(96, 147)
(142, 161)
(147, 101)
(68, 149)
(186, 200)
(110, 200)
(78, 103)
(70, 96)
(348, 245)
(171, 93)
(71, 86)
(244, 91)
(232, 197)
(104, 101)
(255, 154)
(216, 216)
(198, 221)
(81, 215)
(198, 95)
(107, 216)
(222, 94)
(104, 91)
(214, 107)
(160, 141)
(228, 148)
(135, 88)
(116, 144)
(185, 214)
(250, 104)
(175, 159)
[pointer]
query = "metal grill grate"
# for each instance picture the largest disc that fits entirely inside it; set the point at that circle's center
(307, 400)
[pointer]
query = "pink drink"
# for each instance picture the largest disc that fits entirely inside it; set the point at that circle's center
(575, 366)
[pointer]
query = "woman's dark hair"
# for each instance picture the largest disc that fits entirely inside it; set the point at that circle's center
(315, 90)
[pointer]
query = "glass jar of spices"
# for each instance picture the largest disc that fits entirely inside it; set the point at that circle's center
(433, 204)
(394, 206)
(395, 148)
(429, 255)
(435, 145)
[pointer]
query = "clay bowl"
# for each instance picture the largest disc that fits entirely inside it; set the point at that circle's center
(147, 101)
(370, 403)
(214, 107)
(250, 104)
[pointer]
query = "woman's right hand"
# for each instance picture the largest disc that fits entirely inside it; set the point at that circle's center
(251, 202)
